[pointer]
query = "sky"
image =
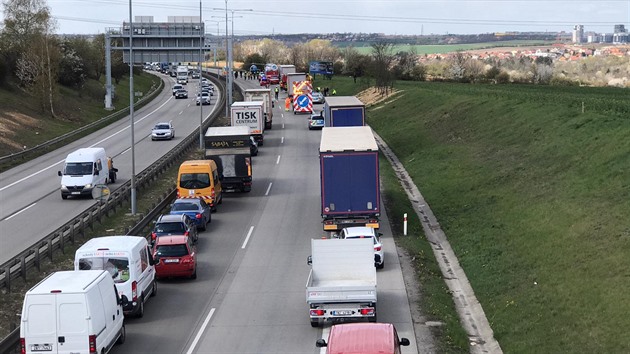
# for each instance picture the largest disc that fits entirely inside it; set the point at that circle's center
(409, 17)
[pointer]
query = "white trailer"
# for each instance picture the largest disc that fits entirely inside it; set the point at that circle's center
(182, 74)
(294, 77)
(342, 281)
(263, 95)
(249, 114)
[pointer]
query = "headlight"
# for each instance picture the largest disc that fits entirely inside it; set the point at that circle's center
(63, 186)
(89, 185)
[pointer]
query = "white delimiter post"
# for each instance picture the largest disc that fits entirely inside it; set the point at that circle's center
(405, 224)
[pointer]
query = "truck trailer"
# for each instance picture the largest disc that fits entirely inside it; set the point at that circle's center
(249, 114)
(349, 178)
(229, 148)
(263, 95)
(342, 281)
(344, 111)
(291, 78)
(284, 70)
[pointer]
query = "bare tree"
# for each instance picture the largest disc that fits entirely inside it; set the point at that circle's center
(381, 65)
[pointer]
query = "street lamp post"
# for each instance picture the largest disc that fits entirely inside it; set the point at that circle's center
(131, 93)
(201, 33)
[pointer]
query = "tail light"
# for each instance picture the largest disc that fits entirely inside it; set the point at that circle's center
(317, 312)
(92, 340)
(134, 291)
(373, 221)
(328, 222)
(198, 216)
(249, 166)
(177, 192)
(377, 248)
(212, 194)
(367, 311)
(186, 233)
(153, 236)
(187, 260)
(22, 346)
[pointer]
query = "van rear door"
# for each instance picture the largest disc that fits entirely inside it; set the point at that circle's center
(39, 325)
(73, 329)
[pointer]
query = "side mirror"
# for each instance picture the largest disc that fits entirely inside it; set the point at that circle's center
(380, 234)
(59, 173)
(404, 342)
(320, 343)
(309, 260)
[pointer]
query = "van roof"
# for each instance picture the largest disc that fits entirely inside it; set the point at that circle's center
(84, 154)
(70, 281)
(365, 338)
(112, 243)
(196, 163)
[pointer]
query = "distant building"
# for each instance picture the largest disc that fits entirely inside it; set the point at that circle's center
(578, 34)
(620, 29)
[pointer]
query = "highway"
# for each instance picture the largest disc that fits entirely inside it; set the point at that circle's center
(249, 296)
(31, 205)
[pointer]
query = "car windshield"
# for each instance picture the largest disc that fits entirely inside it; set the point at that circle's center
(78, 168)
(162, 126)
(184, 207)
(194, 180)
(118, 267)
(171, 251)
(170, 227)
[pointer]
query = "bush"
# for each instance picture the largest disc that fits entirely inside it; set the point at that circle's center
(562, 81)
(502, 78)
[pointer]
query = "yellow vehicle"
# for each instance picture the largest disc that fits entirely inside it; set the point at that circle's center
(200, 179)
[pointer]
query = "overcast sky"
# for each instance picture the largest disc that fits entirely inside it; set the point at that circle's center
(368, 16)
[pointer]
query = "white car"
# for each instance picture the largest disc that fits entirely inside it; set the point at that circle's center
(203, 98)
(367, 232)
(163, 131)
(177, 87)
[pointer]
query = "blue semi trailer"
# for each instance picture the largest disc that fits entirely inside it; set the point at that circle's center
(350, 194)
(344, 111)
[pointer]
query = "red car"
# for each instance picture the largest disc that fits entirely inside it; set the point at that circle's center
(175, 257)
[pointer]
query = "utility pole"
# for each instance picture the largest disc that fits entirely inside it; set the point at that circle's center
(201, 30)
(131, 99)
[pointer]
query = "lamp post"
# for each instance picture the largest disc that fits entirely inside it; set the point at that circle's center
(230, 76)
(201, 33)
(133, 151)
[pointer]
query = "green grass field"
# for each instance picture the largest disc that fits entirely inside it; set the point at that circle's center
(533, 195)
(447, 48)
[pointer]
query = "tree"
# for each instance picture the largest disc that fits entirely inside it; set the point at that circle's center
(405, 63)
(355, 64)
(23, 20)
(253, 59)
(382, 60)
(72, 71)
(458, 65)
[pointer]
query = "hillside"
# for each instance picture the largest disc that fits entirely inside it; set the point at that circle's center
(24, 124)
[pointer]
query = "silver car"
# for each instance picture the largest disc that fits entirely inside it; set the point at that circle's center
(367, 232)
(317, 97)
(203, 98)
(163, 131)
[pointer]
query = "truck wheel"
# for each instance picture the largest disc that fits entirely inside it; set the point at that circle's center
(314, 323)
(140, 312)
(122, 336)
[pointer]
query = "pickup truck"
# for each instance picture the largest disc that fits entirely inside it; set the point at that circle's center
(342, 281)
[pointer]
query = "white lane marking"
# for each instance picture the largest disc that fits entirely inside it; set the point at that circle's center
(127, 149)
(325, 333)
(23, 210)
(247, 238)
(281, 115)
(282, 125)
(180, 113)
(269, 188)
(282, 140)
(93, 145)
(201, 330)
(278, 160)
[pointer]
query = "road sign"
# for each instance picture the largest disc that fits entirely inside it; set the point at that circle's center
(302, 101)
(101, 193)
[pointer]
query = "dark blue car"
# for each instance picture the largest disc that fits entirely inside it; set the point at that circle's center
(196, 209)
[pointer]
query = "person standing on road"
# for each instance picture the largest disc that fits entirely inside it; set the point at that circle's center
(277, 91)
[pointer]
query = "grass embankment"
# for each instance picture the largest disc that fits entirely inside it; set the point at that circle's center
(24, 124)
(533, 196)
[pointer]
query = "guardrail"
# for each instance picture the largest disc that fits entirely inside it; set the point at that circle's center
(31, 257)
(116, 115)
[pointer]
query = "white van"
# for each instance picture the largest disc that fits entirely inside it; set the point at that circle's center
(128, 260)
(83, 169)
(72, 312)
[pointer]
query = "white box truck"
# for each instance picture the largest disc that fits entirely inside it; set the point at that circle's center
(182, 74)
(291, 78)
(342, 281)
(249, 114)
(263, 95)
(72, 312)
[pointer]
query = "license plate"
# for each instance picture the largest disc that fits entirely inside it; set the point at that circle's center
(76, 193)
(341, 313)
(41, 347)
(171, 261)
